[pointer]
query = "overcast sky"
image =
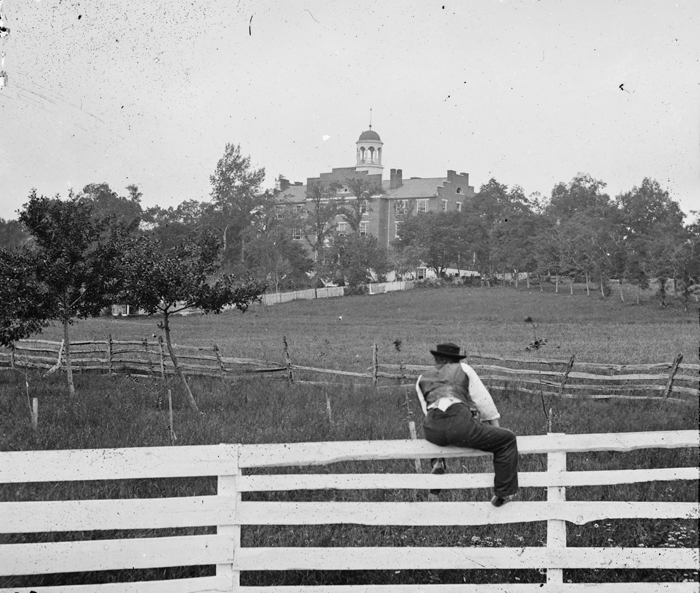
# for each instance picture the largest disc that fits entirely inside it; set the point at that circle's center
(528, 92)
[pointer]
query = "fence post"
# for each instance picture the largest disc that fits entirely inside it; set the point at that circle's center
(109, 354)
(57, 366)
(35, 413)
(162, 357)
(173, 438)
(12, 356)
(672, 374)
(288, 361)
(218, 359)
(556, 529)
(375, 365)
(569, 366)
(226, 486)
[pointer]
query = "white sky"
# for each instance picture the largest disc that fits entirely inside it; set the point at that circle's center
(525, 91)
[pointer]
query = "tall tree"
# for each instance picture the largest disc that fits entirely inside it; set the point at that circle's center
(12, 234)
(582, 194)
(351, 259)
(433, 237)
(320, 218)
(653, 232)
(273, 254)
(235, 197)
(106, 202)
(167, 282)
(74, 260)
(22, 297)
(172, 225)
(363, 191)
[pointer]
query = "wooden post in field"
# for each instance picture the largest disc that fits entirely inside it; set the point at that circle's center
(328, 406)
(556, 529)
(57, 366)
(173, 438)
(416, 462)
(569, 366)
(109, 354)
(162, 357)
(375, 365)
(288, 361)
(218, 359)
(35, 413)
(12, 356)
(226, 486)
(414, 436)
(672, 374)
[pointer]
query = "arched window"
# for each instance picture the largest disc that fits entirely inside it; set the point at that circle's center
(371, 154)
(362, 154)
(459, 190)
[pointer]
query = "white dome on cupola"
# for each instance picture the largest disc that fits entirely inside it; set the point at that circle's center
(369, 152)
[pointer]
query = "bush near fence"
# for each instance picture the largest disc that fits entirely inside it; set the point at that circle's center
(673, 381)
(232, 514)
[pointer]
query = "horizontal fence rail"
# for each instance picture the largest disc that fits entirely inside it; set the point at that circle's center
(230, 513)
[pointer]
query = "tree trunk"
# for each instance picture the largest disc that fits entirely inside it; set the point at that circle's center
(515, 275)
(602, 287)
(224, 237)
(622, 296)
(639, 289)
(69, 367)
(539, 279)
(178, 370)
(556, 284)
(571, 285)
(588, 284)
(527, 279)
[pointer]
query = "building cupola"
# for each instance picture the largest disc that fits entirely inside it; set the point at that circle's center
(369, 152)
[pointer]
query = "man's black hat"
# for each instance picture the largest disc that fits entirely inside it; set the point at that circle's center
(448, 350)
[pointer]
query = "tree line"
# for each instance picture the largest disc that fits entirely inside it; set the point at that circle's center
(64, 259)
(579, 233)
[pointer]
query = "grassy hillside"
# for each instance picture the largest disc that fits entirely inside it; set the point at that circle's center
(484, 320)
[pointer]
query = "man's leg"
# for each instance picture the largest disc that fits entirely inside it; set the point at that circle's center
(458, 428)
(503, 444)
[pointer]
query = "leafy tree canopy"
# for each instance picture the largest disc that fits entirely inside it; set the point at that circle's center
(235, 197)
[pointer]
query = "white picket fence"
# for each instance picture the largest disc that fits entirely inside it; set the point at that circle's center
(382, 287)
(229, 513)
(276, 298)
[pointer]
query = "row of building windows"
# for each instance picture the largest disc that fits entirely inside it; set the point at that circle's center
(403, 207)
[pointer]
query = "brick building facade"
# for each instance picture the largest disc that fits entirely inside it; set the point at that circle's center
(401, 196)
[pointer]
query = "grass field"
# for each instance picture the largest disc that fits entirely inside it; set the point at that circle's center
(481, 320)
(127, 412)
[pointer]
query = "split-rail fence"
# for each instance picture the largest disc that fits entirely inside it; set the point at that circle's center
(673, 381)
(230, 513)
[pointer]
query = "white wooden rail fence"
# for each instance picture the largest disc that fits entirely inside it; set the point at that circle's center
(229, 514)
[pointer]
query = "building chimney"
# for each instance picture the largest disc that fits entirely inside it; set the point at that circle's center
(399, 177)
(392, 178)
(284, 184)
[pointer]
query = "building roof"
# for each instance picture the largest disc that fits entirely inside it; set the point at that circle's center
(415, 188)
(369, 135)
(426, 187)
(294, 193)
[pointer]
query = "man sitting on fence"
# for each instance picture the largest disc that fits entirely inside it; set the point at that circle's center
(447, 393)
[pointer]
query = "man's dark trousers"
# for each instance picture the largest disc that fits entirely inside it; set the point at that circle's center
(456, 427)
